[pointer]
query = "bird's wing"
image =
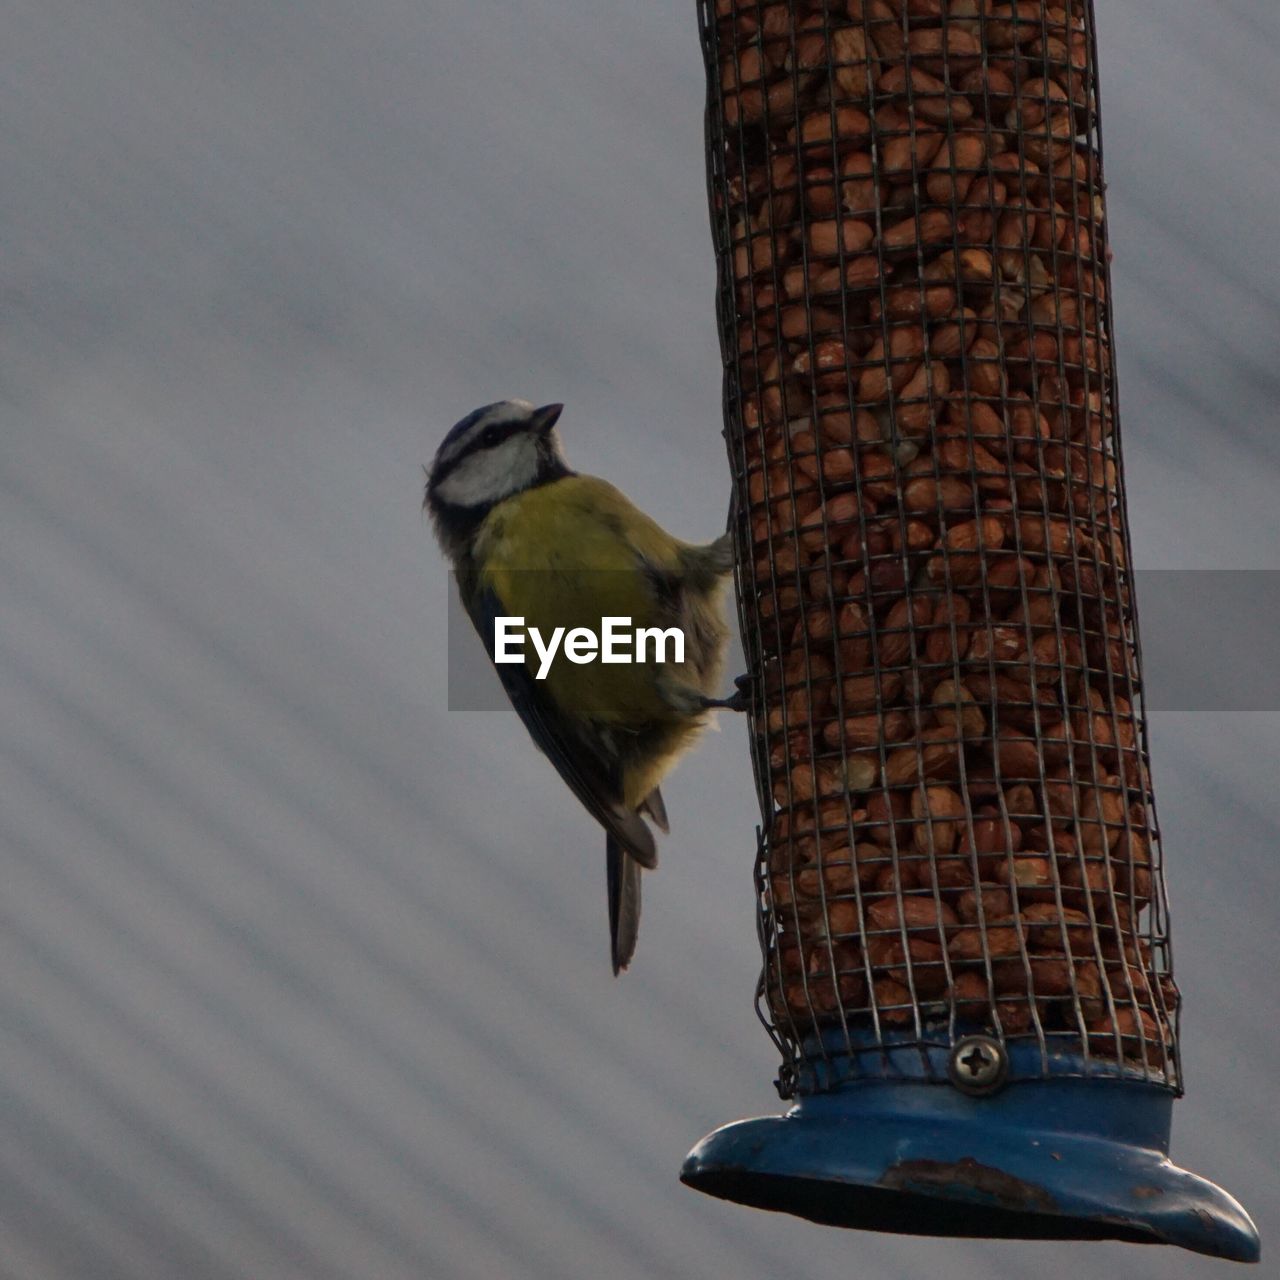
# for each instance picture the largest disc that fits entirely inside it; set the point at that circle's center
(653, 806)
(587, 776)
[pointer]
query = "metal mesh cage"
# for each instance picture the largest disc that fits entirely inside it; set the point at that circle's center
(920, 400)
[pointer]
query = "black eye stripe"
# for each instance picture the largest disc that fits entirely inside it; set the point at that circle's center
(499, 432)
(492, 436)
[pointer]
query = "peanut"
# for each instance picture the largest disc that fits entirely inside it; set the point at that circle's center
(919, 343)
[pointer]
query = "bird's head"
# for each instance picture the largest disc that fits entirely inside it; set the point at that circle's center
(494, 452)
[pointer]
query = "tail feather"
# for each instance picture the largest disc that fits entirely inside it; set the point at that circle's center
(624, 903)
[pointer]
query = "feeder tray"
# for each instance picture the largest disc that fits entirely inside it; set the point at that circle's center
(1053, 1159)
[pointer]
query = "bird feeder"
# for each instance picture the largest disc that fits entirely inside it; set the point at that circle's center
(967, 966)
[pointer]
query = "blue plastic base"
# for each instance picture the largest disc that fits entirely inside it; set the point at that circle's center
(1061, 1159)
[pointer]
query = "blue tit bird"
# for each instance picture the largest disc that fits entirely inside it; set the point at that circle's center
(530, 538)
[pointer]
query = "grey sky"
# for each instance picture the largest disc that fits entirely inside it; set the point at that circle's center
(303, 976)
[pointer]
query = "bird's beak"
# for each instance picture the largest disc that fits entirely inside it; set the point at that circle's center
(546, 418)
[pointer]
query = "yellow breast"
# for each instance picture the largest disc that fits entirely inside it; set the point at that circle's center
(568, 554)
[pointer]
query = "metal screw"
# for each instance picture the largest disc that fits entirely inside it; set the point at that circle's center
(978, 1065)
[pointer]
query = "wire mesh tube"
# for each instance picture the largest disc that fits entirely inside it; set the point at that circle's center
(920, 402)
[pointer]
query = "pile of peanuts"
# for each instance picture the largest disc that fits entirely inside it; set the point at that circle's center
(915, 314)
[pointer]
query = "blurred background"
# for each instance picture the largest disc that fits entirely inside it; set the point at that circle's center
(302, 975)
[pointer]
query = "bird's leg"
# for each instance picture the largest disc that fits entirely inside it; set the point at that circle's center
(682, 698)
(737, 701)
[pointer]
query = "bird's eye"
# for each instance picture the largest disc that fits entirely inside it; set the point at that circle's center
(489, 437)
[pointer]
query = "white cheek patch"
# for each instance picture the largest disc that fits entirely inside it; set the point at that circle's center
(491, 474)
